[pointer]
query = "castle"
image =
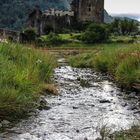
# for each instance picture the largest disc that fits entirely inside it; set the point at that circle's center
(81, 11)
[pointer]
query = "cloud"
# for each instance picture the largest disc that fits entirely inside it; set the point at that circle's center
(122, 6)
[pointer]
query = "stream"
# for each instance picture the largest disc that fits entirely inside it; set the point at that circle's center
(87, 101)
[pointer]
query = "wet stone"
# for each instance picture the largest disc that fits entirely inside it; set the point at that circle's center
(105, 101)
(133, 108)
(77, 131)
(43, 105)
(137, 112)
(124, 104)
(75, 107)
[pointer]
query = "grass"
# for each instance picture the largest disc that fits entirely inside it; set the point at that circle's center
(121, 61)
(23, 74)
(131, 134)
(72, 40)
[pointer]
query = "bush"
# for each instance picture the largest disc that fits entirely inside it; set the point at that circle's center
(49, 40)
(124, 27)
(95, 33)
(29, 35)
(54, 39)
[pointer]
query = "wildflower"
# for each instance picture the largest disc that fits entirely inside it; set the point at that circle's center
(39, 61)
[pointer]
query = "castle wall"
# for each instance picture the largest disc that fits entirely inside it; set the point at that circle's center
(55, 23)
(10, 34)
(50, 20)
(88, 10)
(81, 11)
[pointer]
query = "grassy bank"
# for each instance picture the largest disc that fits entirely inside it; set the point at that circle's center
(24, 73)
(131, 134)
(122, 62)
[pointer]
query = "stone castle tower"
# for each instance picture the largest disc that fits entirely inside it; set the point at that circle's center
(88, 10)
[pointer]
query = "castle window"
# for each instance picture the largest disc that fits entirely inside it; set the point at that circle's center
(89, 7)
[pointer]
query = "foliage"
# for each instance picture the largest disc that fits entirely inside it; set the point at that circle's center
(52, 39)
(124, 26)
(122, 63)
(23, 73)
(124, 39)
(95, 33)
(29, 34)
(132, 134)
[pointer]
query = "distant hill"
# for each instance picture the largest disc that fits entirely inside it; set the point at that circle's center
(131, 16)
(107, 17)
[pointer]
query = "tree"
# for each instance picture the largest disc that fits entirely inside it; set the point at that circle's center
(124, 26)
(30, 34)
(96, 33)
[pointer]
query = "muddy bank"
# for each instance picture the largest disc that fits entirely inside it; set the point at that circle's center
(86, 102)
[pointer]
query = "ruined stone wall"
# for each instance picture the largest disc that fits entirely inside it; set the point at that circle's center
(49, 20)
(55, 23)
(10, 34)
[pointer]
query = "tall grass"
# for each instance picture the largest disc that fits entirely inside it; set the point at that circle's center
(23, 72)
(122, 63)
(131, 134)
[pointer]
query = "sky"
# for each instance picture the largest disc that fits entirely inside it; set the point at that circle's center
(122, 6)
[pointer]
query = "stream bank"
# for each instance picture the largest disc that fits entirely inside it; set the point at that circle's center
(86, 102)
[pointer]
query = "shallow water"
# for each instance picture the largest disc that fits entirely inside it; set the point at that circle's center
(87, 101)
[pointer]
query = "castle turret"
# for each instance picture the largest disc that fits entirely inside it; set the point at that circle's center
(88, 10)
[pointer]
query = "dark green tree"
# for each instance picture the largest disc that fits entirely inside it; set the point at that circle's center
(96, 33)
(124, 26)
(30, 34)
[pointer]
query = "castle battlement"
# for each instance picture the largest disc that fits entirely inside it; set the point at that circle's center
(53, 12)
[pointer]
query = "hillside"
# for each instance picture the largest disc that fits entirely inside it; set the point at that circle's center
(13, 13)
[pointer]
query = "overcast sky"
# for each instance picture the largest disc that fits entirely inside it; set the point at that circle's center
(122, 6)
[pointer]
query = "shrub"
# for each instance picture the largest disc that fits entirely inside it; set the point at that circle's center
(49, 40)
(54, 39)
(124, 27)
(29, 35)
(95, 33)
